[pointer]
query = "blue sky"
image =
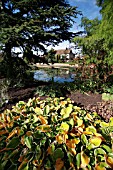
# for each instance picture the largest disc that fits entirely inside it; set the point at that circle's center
(89, 9)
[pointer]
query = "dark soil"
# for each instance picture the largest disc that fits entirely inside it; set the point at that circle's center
(89, 101)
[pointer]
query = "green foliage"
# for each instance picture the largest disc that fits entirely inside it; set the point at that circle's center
(54, 134)
(51, 56)
(53, 90)
(15, 71)
(33, 24)
(97, 44)
(107, 96)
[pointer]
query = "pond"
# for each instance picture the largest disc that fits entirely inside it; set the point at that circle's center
(45, 74)
(55, 75)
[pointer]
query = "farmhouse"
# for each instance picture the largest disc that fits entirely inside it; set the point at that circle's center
(65, 54)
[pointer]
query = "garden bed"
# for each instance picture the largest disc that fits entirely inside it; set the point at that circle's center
(88, 101)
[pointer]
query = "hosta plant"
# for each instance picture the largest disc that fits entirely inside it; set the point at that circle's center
(54, 134)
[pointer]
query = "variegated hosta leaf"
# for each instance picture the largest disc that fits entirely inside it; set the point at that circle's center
(104, 124)
(61, 138)
(38, 111)
(99, 167)
(96, 141)
(64, 126)
(89, 116)
(84, 160)
(71, 143)
(79, 122)
(90, 130)
(111, 121)
(43, 120)
(65, 112)
(46, 109)
(109, 161)
(53, 133)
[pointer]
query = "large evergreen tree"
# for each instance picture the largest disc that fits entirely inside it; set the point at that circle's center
(31, 24)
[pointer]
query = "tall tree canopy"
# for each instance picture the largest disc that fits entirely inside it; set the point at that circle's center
(32, 23)
(106, 26)
(98, 43)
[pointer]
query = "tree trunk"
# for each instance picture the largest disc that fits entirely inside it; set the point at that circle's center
(7, 51)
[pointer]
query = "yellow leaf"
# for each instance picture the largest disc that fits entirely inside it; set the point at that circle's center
(75, 140)
(12, 134)
(87, 133)
(77, 108)
(104, 124)
(89, 117)
(72, 143)
(8, 119)
(59, 164)
(98, 134)
(63, 103)
(49, 150)
(44, 128)
(61, 138)
(98, 167)
(79, 122)
(65, 112)
(84, 160)
(73, 151)
(43, 120)
(111, 121)
(91, 130)
(1, 125)
(109, 161)
(96, 141)
(38, 111)
(65, 126)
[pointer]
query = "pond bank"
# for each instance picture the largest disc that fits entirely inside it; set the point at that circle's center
(55, 65)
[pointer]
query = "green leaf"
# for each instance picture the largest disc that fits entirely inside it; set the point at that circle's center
(15, 141)
(84, 139)
(3, 164)
(58, 153)
(28, 141)
(70, 156)
(99, 151)
(38, 135)
(46, 109)
(78, 159)
(111, 97)
(107, 148)
(12, 167)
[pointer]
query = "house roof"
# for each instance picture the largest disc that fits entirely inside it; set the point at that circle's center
(63, 51)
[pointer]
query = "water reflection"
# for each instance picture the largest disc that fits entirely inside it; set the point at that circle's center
(56, 75)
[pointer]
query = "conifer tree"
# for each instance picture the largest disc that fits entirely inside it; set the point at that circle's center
(31, 24)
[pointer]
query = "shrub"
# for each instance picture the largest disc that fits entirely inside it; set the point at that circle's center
(54, 134)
